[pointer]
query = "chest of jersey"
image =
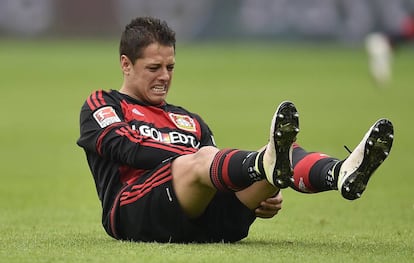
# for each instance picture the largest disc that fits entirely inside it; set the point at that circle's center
(163, 126)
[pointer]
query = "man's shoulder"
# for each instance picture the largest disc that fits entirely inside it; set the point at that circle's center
(100, 98)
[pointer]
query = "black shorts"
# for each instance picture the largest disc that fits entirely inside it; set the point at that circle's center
(154, 214)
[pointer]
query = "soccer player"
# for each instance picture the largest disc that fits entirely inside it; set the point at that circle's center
(380, 47)
(160, 176)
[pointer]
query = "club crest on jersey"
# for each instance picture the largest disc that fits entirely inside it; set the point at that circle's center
(106, 116)
(183, 122)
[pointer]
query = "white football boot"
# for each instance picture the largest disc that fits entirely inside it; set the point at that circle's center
(365, 159)
(380, 56)
(278, 154)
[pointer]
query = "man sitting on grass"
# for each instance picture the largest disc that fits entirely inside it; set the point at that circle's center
(159, 174)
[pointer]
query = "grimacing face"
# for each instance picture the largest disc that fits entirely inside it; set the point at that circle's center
(149, 79)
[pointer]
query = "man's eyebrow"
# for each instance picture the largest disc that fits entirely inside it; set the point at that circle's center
(153, 64)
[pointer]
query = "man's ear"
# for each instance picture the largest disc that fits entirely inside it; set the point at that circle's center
(126, 64)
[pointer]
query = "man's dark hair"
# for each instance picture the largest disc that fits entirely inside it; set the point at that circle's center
(143, 31)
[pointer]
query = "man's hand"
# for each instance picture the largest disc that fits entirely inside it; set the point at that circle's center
(270, 207)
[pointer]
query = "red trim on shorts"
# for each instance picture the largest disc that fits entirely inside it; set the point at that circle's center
(137, 191)
(112, 221)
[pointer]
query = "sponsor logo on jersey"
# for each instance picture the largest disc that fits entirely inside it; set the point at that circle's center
(106, 116)
(173, 137)
(183, 122)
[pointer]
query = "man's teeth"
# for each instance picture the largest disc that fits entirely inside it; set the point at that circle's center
(159, 88)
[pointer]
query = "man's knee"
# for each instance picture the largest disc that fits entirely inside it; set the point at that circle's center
(196, 165)
(191, 180)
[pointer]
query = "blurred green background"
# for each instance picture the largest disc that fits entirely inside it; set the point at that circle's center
(49, 211)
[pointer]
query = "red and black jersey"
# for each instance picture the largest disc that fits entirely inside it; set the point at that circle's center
(123, 137)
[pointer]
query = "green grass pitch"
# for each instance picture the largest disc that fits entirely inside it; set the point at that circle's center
(49, 211)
